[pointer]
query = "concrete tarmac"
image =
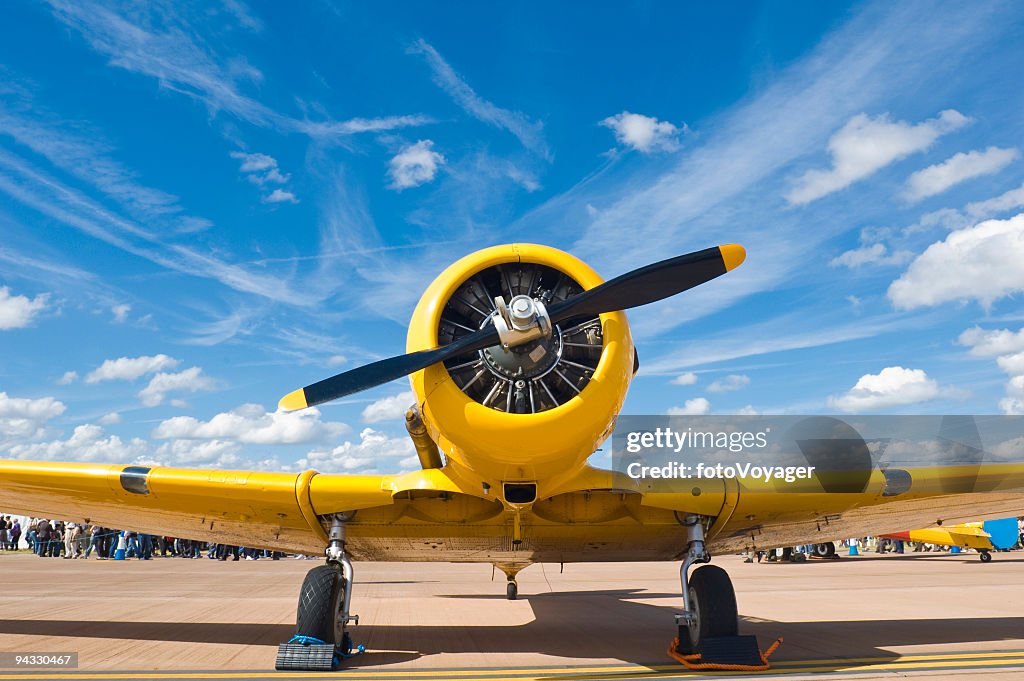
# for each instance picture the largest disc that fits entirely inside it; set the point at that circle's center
(868, 617)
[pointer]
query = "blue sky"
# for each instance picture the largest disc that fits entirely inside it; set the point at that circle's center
(206, 205)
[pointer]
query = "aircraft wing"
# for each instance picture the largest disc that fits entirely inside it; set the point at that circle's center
(753, 517)
(257, 509)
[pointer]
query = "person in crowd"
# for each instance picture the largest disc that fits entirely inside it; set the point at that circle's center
(15, 535)
(72, 531)
(131, 544)
(43, 531)
(95, 542)
(4, 540)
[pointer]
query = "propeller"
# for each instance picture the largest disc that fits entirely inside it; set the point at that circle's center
(641, 286)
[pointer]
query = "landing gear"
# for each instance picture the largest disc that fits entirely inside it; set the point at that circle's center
(511, 570)
(709, 600)
(713, 603)
(321, 622)
(321, 606)
(984, 555)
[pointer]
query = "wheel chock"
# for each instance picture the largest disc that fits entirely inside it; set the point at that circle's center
(726, 653)
(309, 654)
(305, 657)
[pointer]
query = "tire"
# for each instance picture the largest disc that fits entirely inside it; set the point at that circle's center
(825, 550)
(320, 602)
(714, 600)
(985, 556)
(511, 591)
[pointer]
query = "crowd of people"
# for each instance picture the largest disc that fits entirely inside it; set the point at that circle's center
(59, 539)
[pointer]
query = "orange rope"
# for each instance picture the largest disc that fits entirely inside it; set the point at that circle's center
(693, 661)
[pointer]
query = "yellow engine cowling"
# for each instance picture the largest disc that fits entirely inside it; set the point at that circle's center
(490, 441)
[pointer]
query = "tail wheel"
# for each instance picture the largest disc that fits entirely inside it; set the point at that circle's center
(321, 601)
(512, 591)
(985, 556)
(713, 603)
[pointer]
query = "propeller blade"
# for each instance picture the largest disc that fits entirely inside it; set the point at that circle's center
(633, 289)
(650, 283)
(380, 372)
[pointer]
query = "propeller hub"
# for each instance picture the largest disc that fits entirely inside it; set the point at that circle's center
(525, 361)
(523, 320)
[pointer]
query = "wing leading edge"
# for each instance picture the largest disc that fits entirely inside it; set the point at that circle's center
(257, 509)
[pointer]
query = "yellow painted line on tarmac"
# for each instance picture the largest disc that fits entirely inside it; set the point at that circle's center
(901, 658)
(594, 673)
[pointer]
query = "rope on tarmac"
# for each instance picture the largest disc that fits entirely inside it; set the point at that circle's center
(693, 661)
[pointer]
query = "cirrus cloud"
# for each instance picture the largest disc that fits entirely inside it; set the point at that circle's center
(865, 145)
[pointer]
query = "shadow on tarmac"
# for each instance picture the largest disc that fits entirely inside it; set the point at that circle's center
(614, 624)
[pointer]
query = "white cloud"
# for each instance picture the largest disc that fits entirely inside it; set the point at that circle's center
(260, 168)
(414, 165)
(130, 368)
(875, 254)
(1012, 364)
(110, 419)
(336, 360)
(891, 387)
(22, 417)
(215, 453)
(121, 312)
(280, 196)
(956, 169)
(688, 378)
(729, 383)
(389, 408)
(980, 263)
(865, 145)
(373, 449)
(87, 443)
(992, 342)
(190, 380)
(644, 133)
(1008, 349)
(951, 219)
(43, 408)
(1007, 201)
(1012, 406)
(252, 424)
(698, 406)
(748, 411)
(527, 131)
(17, 312)
(67, 378)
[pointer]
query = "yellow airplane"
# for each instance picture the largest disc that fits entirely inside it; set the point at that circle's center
(963, 535)
(520, 358)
